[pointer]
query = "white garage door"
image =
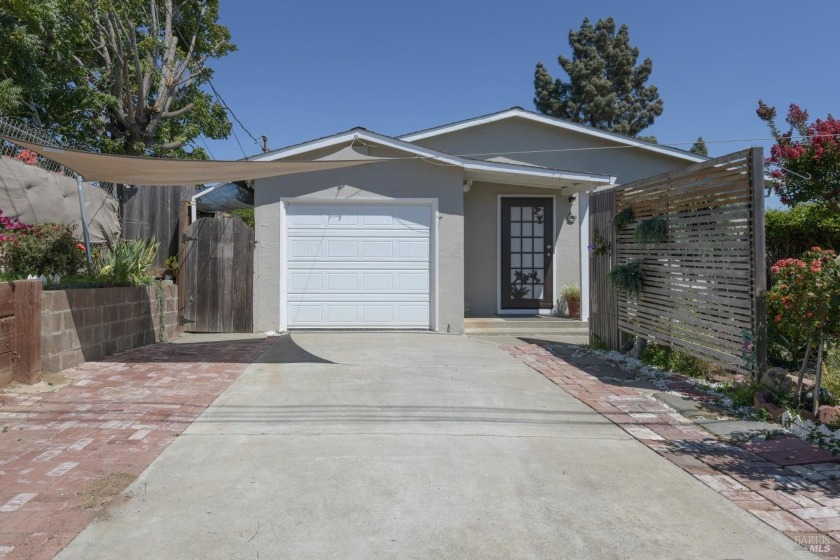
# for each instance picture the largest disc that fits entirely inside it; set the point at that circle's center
(358, 265)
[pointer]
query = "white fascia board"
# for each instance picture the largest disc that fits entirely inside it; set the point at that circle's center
(351, 135)
(550, 121)
(473, 168)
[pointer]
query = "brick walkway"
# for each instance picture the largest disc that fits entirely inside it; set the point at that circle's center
(803, 501)
(65, 455)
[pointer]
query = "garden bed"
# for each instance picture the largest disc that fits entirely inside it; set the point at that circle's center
(739, 397)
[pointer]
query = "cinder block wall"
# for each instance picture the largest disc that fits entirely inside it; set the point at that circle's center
(88, 324)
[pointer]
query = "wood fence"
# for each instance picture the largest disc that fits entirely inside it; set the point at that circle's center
(153, 211)
(702, 289)
(20, 331)
(603, 308)
(216, 276)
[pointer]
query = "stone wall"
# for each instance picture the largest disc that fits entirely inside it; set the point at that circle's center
(88, 324)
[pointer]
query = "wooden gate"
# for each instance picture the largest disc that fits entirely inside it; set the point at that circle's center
(217, 276)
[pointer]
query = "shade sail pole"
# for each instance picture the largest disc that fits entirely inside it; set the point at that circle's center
(83, 208)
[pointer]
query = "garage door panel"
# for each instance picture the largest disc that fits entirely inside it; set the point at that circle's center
(358, 266)
(322, 234)
(373, 265)
(356, 297)
(386, 216)
(390, 283)
(358, 315)
(342, 249)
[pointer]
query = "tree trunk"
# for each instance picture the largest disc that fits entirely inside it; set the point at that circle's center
(798, 397)
(818, 379)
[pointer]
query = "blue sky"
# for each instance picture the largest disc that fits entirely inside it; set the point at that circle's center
(306, 70)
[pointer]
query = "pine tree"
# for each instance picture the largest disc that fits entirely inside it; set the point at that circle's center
(699, 147)
(606, 89)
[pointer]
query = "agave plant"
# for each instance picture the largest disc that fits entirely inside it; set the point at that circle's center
(127, 261)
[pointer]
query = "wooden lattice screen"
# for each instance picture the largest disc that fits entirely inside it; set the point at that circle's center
(703, 284)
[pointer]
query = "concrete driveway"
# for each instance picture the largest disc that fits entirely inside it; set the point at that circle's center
(371, 445)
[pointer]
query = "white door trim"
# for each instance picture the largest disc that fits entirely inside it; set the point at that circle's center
(554, 233)
(432, 203)
(583, 210)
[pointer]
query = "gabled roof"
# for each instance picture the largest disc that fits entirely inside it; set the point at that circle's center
(520, 113)
(510, 173)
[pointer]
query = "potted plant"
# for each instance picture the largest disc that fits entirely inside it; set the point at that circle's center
(571, 295)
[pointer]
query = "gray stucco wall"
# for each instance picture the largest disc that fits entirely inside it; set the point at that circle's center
(520, 135)
(391, 180)
(538, 144)
(481, 242)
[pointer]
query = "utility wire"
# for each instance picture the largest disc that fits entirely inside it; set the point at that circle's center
(232, 114)
(206, 147)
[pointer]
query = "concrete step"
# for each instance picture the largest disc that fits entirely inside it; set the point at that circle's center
(523, 332)
(525, 325)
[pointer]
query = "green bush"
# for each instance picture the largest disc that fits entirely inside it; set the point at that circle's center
(743, 394)
(668, 359)
(789, 233)
(48, 249)
(831, 369)
(247, 215)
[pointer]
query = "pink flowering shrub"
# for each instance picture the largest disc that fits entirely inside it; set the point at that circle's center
(28, 157)
(48, 249)
(805, 298)
(810, 154)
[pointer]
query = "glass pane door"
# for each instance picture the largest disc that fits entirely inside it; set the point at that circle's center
(527, 245)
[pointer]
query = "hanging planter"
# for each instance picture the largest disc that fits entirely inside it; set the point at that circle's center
(622, 219)
(628, 277)
(599, 246)
(651, 230)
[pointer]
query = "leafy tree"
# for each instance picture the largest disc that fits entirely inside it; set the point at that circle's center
(10, 96)
(118, 76)
(699, 147)
(807, 168)
(606, 88)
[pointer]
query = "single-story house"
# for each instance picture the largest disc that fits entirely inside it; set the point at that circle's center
(480, 217)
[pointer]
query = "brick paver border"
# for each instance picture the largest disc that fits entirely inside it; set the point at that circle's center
(65, 455)
(802, 502)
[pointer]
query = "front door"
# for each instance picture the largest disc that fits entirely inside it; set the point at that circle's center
(527, 245)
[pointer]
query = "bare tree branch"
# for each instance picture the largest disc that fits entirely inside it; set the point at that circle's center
(178, 112)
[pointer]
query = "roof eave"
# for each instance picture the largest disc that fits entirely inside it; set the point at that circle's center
(551, 121)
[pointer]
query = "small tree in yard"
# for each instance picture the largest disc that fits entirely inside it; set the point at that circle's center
(804, 306)
(809, 162)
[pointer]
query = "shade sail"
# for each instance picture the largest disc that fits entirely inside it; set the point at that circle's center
(133, 170)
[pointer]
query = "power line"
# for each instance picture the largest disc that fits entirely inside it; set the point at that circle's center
(236, 137)
(232, 114)
(647, 145)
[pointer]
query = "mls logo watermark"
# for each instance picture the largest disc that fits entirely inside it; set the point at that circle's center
(818, 544)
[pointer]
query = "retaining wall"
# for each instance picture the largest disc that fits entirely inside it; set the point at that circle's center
(88, 324)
